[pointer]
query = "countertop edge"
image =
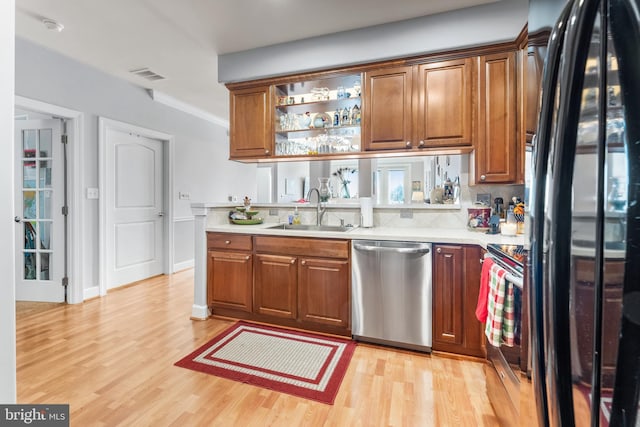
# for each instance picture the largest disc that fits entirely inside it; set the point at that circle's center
(431, 235)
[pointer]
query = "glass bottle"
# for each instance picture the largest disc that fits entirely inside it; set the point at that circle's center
(336, 117)
(345, 117)
(324, 191)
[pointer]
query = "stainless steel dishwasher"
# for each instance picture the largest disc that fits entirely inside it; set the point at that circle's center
(391, 293)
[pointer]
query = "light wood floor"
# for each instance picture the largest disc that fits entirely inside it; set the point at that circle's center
(112, 360)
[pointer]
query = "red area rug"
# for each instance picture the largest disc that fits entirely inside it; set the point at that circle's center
(298, 363)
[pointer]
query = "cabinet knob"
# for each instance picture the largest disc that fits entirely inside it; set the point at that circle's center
(408, 144)
(483, 177)
(439, 250)
(266, 151)
(227, 242)
(421, 144)
(293, 261)
(304, 262)
(248, 257)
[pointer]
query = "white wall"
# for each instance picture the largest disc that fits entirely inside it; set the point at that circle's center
(201, 166)
(7, 226)
(490, 23)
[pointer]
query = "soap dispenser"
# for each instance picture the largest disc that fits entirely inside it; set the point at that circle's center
(296, 217)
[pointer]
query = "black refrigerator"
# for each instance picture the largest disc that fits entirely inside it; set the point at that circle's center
(584, 259)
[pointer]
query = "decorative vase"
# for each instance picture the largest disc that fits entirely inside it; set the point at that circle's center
(325, 193)
(345, 190)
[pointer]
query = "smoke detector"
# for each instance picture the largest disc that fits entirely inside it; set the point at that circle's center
(52, 25)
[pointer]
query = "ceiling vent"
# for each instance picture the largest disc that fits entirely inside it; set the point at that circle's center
(146, 73)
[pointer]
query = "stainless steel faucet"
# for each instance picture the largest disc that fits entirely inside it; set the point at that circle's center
(320, 209)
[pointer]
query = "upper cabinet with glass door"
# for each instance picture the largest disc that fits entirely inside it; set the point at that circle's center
(318, 117)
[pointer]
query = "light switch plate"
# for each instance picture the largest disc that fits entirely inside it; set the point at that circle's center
(93, 193)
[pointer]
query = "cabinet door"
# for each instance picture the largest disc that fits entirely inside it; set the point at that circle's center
(445, 103)
(456, 283)
(387, 108)
(276, 285)
(496, 151)
(448, 289)
(250, 122)
(229, 280)
(324, 292)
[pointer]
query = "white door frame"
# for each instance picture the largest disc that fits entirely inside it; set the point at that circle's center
(168, 141)
(75, 151)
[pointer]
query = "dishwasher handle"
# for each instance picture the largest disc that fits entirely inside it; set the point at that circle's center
(373, 248)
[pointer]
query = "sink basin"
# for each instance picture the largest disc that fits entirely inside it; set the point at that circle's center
(305, 227)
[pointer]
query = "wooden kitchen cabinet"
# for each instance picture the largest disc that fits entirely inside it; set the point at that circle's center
(250, 122)
(445, 103)
(276, 283)
(324, 292)
(456, 283)
(420, 106)
(497, 146)
(387, 111)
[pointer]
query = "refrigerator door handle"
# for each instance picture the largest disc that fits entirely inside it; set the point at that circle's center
(542, 140)
(574, 57)
(625, 29)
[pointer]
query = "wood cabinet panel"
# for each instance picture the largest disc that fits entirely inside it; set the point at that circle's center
(325, 248)
(324, 292)
(496, 150)
(448, 290)
(230, 279)
(276, 285)
(445, 103)
(456, 283)
(251, 122)
(387, 111)
(229, 241)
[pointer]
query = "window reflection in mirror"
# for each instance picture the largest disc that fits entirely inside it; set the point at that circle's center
(390, 181)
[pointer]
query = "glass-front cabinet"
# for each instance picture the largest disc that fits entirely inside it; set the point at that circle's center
(318, 117)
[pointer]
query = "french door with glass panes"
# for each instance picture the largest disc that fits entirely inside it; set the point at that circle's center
(39, 201)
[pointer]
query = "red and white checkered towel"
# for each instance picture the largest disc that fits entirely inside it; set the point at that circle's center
(499, 327)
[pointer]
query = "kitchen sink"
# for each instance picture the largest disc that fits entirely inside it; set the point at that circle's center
(306, 227)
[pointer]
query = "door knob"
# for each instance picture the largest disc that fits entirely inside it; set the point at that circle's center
(17, 219)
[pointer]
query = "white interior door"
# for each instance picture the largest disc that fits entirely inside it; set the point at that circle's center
(134, 201)
(39, 199)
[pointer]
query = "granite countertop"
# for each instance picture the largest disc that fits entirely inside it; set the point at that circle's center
(433, 235)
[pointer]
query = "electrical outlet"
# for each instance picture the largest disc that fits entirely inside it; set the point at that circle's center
(406, 213)
(184, 196)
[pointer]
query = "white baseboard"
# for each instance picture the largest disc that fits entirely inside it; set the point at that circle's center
(91, 292)
(183, 265)
(199, 312)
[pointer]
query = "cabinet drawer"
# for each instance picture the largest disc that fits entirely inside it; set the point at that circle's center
(505, 373)
(238, 242)
(323, 248)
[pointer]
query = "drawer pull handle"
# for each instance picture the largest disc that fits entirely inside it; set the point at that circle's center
(502, 374)
(227, 242)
